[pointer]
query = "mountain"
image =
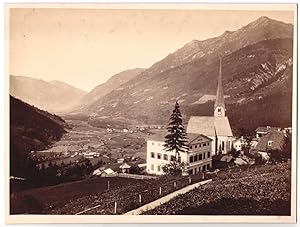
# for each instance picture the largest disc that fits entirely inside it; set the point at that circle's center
(257, 66)
(113, 83)
(54, 96)
(30, 129)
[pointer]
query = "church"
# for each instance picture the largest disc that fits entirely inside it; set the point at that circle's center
(216, 127)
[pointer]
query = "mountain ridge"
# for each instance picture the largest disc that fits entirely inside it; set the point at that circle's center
(183, 77)
(45, 95)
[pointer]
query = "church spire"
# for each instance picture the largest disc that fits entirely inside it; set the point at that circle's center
(219, 103)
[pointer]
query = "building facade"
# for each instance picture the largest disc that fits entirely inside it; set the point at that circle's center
(197, 159)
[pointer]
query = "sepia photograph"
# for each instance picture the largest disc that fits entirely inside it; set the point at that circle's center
(151, 113)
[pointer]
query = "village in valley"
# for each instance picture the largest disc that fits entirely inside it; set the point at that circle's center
(207, 130)
(182, 155)
(141, 148)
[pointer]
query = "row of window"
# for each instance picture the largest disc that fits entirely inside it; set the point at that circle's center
(199, 169)
(164, 157)
(199, 145)
(192, 146)
(199, 157)
(191, 171)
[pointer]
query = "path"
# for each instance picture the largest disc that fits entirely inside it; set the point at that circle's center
(166, 198)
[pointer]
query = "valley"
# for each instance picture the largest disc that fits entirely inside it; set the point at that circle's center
(101, 146)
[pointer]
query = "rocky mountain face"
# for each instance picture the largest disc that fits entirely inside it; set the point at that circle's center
(45, 95)
(113, 83)
(257, 66)
(30, 129)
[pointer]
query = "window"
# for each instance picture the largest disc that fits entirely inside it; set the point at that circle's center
(199, 169)
(207, 166)
(219, 110)
(223, 146)
(152, 155)
(191, 172)
(158, 168)
(200, 157)
(199, 145)
(203, 168)
(191, 147)
(203, 155)
(158, 156)
(270, 143)
(172, 158)
(191, 159)
(208, 154)
(179, 159)
(166, 157)
(153, 143)
(195, 158)
(207, 144)
(204, 145)
(152, 167)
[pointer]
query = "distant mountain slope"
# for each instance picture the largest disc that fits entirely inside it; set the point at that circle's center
(257, 65)
(54, 96)
(250, 75)
(30, 129)
(113, 83)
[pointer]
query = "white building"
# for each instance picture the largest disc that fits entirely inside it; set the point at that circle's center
(215, 127)
(197, 159)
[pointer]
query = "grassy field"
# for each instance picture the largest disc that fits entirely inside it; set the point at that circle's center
(41, 200)
(71, 198)
(262, 191)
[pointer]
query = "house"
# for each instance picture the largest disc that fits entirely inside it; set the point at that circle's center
(271, 141)
(263, 130)
(216, 127)
(103, 172)
(124, 168)
(197, 158)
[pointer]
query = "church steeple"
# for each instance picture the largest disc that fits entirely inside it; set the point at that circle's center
(219, 103)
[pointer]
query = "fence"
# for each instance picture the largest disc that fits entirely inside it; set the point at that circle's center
(133, 176)
(119, 203)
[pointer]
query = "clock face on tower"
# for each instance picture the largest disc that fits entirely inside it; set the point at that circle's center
(219, 112)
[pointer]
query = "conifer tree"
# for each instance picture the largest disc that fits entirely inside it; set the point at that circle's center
(176, 139)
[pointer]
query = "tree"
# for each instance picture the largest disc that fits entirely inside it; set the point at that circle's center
(176, 139)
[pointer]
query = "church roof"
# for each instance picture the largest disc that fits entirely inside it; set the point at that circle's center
(222, 126)
(209, 126)
(202, 125)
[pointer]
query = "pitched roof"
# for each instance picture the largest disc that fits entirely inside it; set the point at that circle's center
(267, 129)
(196, 138)
(209, 126)
(222, 126)
(108, 171)
(277, 139)
(202, 125)
(159, 136)
(192, 137)
(124, 166)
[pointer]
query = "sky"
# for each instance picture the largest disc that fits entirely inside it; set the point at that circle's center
(85, 47)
